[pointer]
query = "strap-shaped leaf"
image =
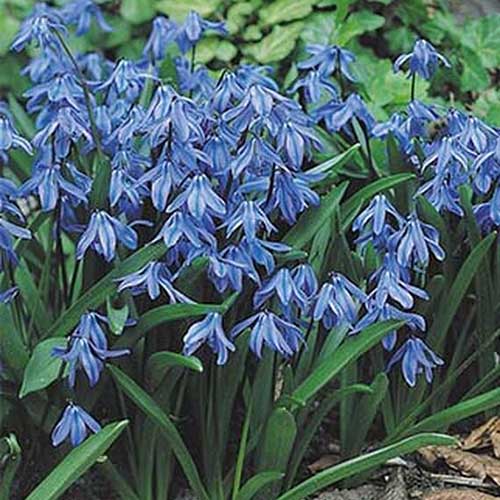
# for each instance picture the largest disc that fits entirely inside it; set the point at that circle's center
(351, 349)
(257, 482)
(365, 462)
(147, 404)
(77, 462)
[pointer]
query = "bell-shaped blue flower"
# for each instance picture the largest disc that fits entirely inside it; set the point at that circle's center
(328, 58)
(423, 60)
(102, 235)
(153, 278)
(10, 138)
(211, 332)
(162, 33)
(416, 358)
(191, 31)
(270, 330)
(75, 424)
(87, 349)
(337, 302)
(80, 13)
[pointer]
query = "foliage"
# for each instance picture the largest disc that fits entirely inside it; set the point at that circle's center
(210, 256)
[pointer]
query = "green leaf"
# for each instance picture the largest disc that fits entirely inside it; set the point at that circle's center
(275, 46)
(333, 165)
(460, 411)
(451, 302)
(137, 11)
(256, 483)
(77, 462)
(314, 218)
(170, 312)
(353, 205)
(179, 9)
(147, 404)
(277, 444)
(481, 36)
(117, 317)
(474, 76)
(42, 368)
(321, 28)
(9, 26)
(23, 120)
(98, 293)
(10, 458)
(363, 463)
(159, 363)
(351, 349)
(281, 11)
(357, 24)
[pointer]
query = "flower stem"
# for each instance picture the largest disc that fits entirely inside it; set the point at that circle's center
(413, 86)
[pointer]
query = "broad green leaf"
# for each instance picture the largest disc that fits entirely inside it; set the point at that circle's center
(256, 483)
(357, 24)
(363, 463)
(353, 205)
(9, 26)
(179, 9)
(98, 293)
(159, 362)
(137, 11)
(350, 350)
(42, 368)
(117, 317)
(275, 46)
(451, 302)
(281, 11)
(77, 462)
(481, 35)
(321, 28)
(474, 76)
(460, 411)
(147, 404)
(314, 218)
(236, 16)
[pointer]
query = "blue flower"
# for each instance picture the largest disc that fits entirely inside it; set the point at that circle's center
(102, 234)
(80, 13)
(180, 227)
(191, 31)
(74, 423)
(392, 282)
(327, 58)
(296, 139)
(199, 198)
(488, 213)
(416, 358)
(338, 114)
(305, 279)
(423, 60)
(40, 26)
(227, 91)
(249, 216)
(313, 83)
(229, 270)
(163, 32)
(9, 295)
(8, 230)
(260, 251)
(284, 288)
(87, 349)
(49, 182)
(272, 331)
(210, 331)
(415, 242)
(152, 278)
(10, 138)
(337, 302)
(375, 217)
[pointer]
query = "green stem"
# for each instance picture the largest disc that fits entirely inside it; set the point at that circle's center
(413, 86)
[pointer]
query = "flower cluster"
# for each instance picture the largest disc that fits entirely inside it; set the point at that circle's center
(216, 168)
